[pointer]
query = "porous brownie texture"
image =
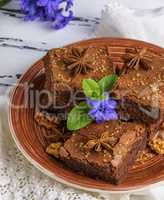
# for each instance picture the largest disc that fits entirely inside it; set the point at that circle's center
(57, 62)
(125, 140)
(140, 93)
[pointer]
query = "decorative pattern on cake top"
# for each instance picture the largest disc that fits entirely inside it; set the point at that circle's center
(76, 62)
(104, 142)
(136, 58)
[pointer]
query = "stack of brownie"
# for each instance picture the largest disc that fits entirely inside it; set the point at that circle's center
(106, 150)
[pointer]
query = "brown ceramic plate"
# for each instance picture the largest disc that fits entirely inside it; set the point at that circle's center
(30, 140)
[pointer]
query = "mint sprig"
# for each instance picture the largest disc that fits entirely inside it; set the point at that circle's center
(95, 90)
(78, 117)
(107, 83)
(91, 88)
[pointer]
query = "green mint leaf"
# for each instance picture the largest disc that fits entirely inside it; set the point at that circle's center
(102, 97)
(107, 83)
(78, 117)
(91, 88)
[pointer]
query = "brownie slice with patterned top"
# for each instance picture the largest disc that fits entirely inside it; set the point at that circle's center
(140, 91)
(104, 151)
(71, 65)
(140, 87)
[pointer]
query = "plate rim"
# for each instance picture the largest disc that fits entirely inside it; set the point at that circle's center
(46, 171)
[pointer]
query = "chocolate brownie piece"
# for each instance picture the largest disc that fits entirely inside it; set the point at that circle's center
(141, 93)
(104, 151)
(71, 65)
(60, 99)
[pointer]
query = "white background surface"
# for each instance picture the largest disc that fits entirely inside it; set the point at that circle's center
(17, 59)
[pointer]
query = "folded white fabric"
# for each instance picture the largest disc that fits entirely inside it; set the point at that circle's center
(119, 21)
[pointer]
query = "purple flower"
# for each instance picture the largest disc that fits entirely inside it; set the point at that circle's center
(56, 11)
(103, 110)
(61, 21)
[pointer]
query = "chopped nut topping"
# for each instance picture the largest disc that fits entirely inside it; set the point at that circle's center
(46, 120)
(53, 149)
(157, 145)
(144, 155)
(76, 62)
(137, 58)
(104, 142)
(50, 123)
